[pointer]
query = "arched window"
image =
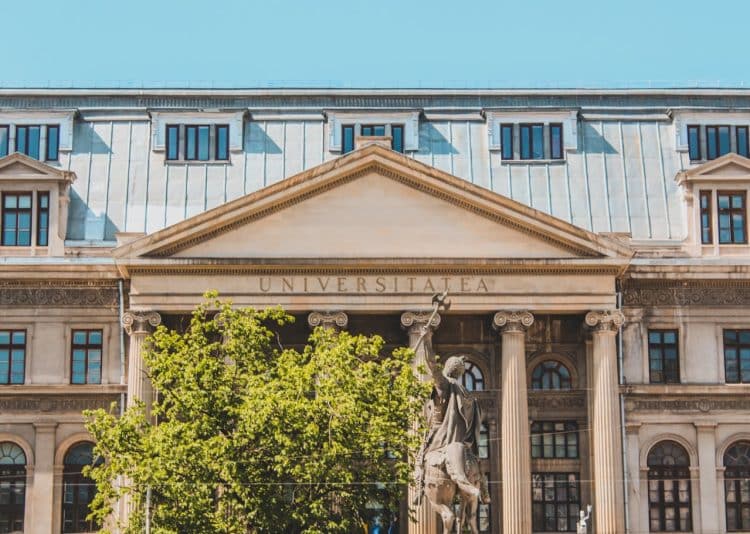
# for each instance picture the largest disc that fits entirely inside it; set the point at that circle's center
(473, 377)
(737, 486)
(550, 375)
(78, 490)
(669, 488)
(484, 441)
(12, 487)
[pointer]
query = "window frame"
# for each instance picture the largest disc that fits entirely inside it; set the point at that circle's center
(197, 129)
(217, 128)
(402, 129)
(737, 143)
(167, 144)
(17, 211)
(469, 366)
(731, 211)
(507, 152)
(86, 347)
(15, 476)
(698, 149)
(543, 364)
(570, 429)
(664, 476)
(561, 145)
(40, 210)
(708, 212)
(662, 346)
(734, 475)
(530, 126)
(738, 346)
(344, 129)
(48, 155)
(5, 127)
(72, 475)
(27, 128)
(571, 518)
(10, 347)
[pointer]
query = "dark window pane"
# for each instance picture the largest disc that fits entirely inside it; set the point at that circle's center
(507, 140)
(663, 356)
(724, 145)
(191, 142)
(712, 142)
(525, 141)
(731, 217)
(694, 143)
(537, 141)
(222, 142)
(86, 357)
(53, 142)
(347, 141)
(33, 142)
(397, 132)
(203, 141)
(4, 139)
(742, 141)
(555, 138)
(173, 142)
(21, 132)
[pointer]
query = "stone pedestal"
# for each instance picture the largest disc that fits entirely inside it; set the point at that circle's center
(609, 513)
(138, 325)
(514, 444)
(426, 519)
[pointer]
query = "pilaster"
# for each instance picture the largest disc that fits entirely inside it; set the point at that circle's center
(609, 513)
(515, 453)
(138, 325)
(707, 485)
(42, 500)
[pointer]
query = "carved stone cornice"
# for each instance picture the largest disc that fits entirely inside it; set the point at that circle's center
(62, 295)
(687, 293)
(687, 404)
(140, 322)
(605, 320)
(557, 400)
(512, 321)
(67, 403)
(416, 320)
(328, 319)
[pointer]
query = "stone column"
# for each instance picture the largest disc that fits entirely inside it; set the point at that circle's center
(42, 499)
(514, 443)
(336, 320)
(609, 513)
(635, 501)
(425, 518)
(709, 494)
(138, 325)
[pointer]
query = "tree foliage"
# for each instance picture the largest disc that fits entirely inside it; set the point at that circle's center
(254, 437)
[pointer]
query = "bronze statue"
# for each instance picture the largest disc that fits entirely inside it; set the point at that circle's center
(447, 461)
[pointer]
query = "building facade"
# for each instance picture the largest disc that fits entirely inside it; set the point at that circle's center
(593, 242)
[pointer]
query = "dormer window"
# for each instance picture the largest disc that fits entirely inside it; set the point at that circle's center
(706, 137)
(531, 137)
(346, 127)
(186, 137)
(394, 131)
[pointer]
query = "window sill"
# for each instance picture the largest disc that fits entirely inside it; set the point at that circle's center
(198, 163)
(533, 161)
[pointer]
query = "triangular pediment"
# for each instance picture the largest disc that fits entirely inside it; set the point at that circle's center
(21, 167)
(373, 203)
(729, 167)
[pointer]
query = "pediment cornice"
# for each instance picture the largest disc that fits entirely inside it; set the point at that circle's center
(20, 167)
(727, 168)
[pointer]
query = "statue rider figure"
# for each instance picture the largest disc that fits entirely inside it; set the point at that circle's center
(454, 418)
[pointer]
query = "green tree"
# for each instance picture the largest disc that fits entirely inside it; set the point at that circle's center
(254, 437)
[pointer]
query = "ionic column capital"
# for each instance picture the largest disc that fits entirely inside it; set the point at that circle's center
(605, 320)
(416, 320)
(512, 321)
(140, 322)
(328, 319)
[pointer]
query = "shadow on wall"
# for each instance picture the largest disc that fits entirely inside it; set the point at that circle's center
(258, 142)
(594, 142)
(87, 141)
(434, 141)
(85, 224)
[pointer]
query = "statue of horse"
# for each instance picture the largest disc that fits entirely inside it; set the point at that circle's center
(440, 489)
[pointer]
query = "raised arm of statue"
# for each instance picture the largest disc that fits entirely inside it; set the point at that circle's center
(436, 370)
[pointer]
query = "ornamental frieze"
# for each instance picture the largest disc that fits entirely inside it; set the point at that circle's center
(688, 294)
(546, 401)
(53, 404)
(702, 405)
(100, 296)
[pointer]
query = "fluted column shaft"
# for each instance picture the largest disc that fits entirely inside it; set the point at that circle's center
(138, 325)
(609, 513)
(425, 518)
(515, 454)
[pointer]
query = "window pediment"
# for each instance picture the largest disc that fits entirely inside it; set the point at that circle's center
(21, 168)
(730, 168)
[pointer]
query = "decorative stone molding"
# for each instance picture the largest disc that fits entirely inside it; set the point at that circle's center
(58, 296)
(605, 320)
(702, 405)
(687, 294)
(140, 322)
(57, 404)
(512, 321)
(416, 320)
(545, 401)
(337, 319)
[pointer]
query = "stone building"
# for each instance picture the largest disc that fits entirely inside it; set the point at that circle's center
(594, 243)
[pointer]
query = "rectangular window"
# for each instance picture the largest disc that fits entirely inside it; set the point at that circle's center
(731, 213)
(222, 142)
(663, 357)
(377, 130)
(553, 439)
(397, 137)
(694, 142)
(4, 139)
(196, 143)
(717, 141)
(42, 219)
(86, 357)
(16, 220)
(506, 135)
(53, 142)
(706, 234)
(742, 141)
(556, 500)
(173, 142)
(556, 141)
(532, 141)
(27, 140)
(12, 356)
(347, 138)
(737, 356)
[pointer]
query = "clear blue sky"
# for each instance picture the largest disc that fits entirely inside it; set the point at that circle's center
(388, 43)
